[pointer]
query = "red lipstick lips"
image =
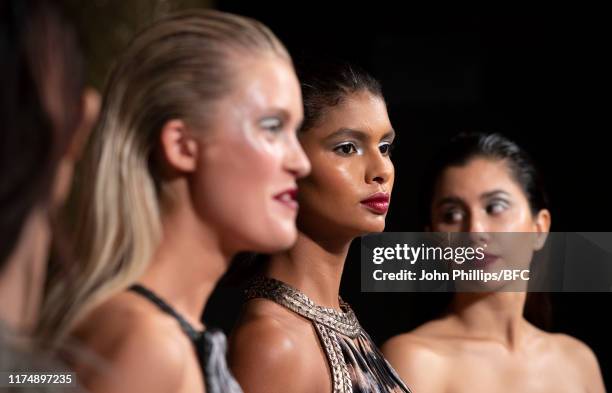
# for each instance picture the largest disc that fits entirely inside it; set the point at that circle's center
(377, 203)
(288, 198)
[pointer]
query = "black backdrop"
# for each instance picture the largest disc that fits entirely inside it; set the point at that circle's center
(534, 76)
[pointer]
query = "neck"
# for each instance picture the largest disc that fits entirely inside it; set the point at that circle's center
(497, 316)
(313, 267)
(187, 265)
(22, 278)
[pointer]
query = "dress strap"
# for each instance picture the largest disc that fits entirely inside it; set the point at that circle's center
(165, 307)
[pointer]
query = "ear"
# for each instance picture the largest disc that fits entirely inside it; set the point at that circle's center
(542, 226)
(178, 146)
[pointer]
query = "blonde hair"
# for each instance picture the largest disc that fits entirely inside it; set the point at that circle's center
(177, 68)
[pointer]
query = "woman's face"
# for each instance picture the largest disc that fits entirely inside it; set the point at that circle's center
(482, 198)
(245, 183)
(348, 191)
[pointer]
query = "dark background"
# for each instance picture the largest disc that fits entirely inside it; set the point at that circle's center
(535, 76)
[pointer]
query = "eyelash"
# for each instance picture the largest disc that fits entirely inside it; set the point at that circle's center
(450, 215)
(389, 148)
(340, 147)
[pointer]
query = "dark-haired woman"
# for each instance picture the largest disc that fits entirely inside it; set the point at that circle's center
(296, 333)
(485, 184)
(45, 116)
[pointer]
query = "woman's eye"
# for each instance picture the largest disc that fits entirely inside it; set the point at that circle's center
(346, 149)
(452, 216)
(496, 207)
(385, 148)
(273, 124)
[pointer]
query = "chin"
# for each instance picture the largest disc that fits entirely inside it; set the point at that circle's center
(276, 240)
(375, 225)
(367, 228)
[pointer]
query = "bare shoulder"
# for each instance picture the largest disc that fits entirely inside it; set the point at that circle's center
(419, 359)
(133, 341)
(580, 356)
(573, 349)
(266, 352)
(431, 340)
(412, 347)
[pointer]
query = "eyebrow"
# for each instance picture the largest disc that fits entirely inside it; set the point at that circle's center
(494, 193)
(357, 134)
(449, 200)
(459, 201)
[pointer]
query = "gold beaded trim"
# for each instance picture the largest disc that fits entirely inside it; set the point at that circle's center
(327, 321)
(344, 322)
(341, 380)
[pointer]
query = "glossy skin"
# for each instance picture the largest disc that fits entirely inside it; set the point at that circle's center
(273, 348)
(252, 155)
(348, 167)
(484, 344)
(219, 191)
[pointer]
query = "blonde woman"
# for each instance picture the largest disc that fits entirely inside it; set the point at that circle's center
(294, 326)
(195, 159)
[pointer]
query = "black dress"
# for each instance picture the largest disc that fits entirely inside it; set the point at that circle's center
(210, 345)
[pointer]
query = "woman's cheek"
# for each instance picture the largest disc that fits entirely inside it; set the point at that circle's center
(515, 220)
(347, 177)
